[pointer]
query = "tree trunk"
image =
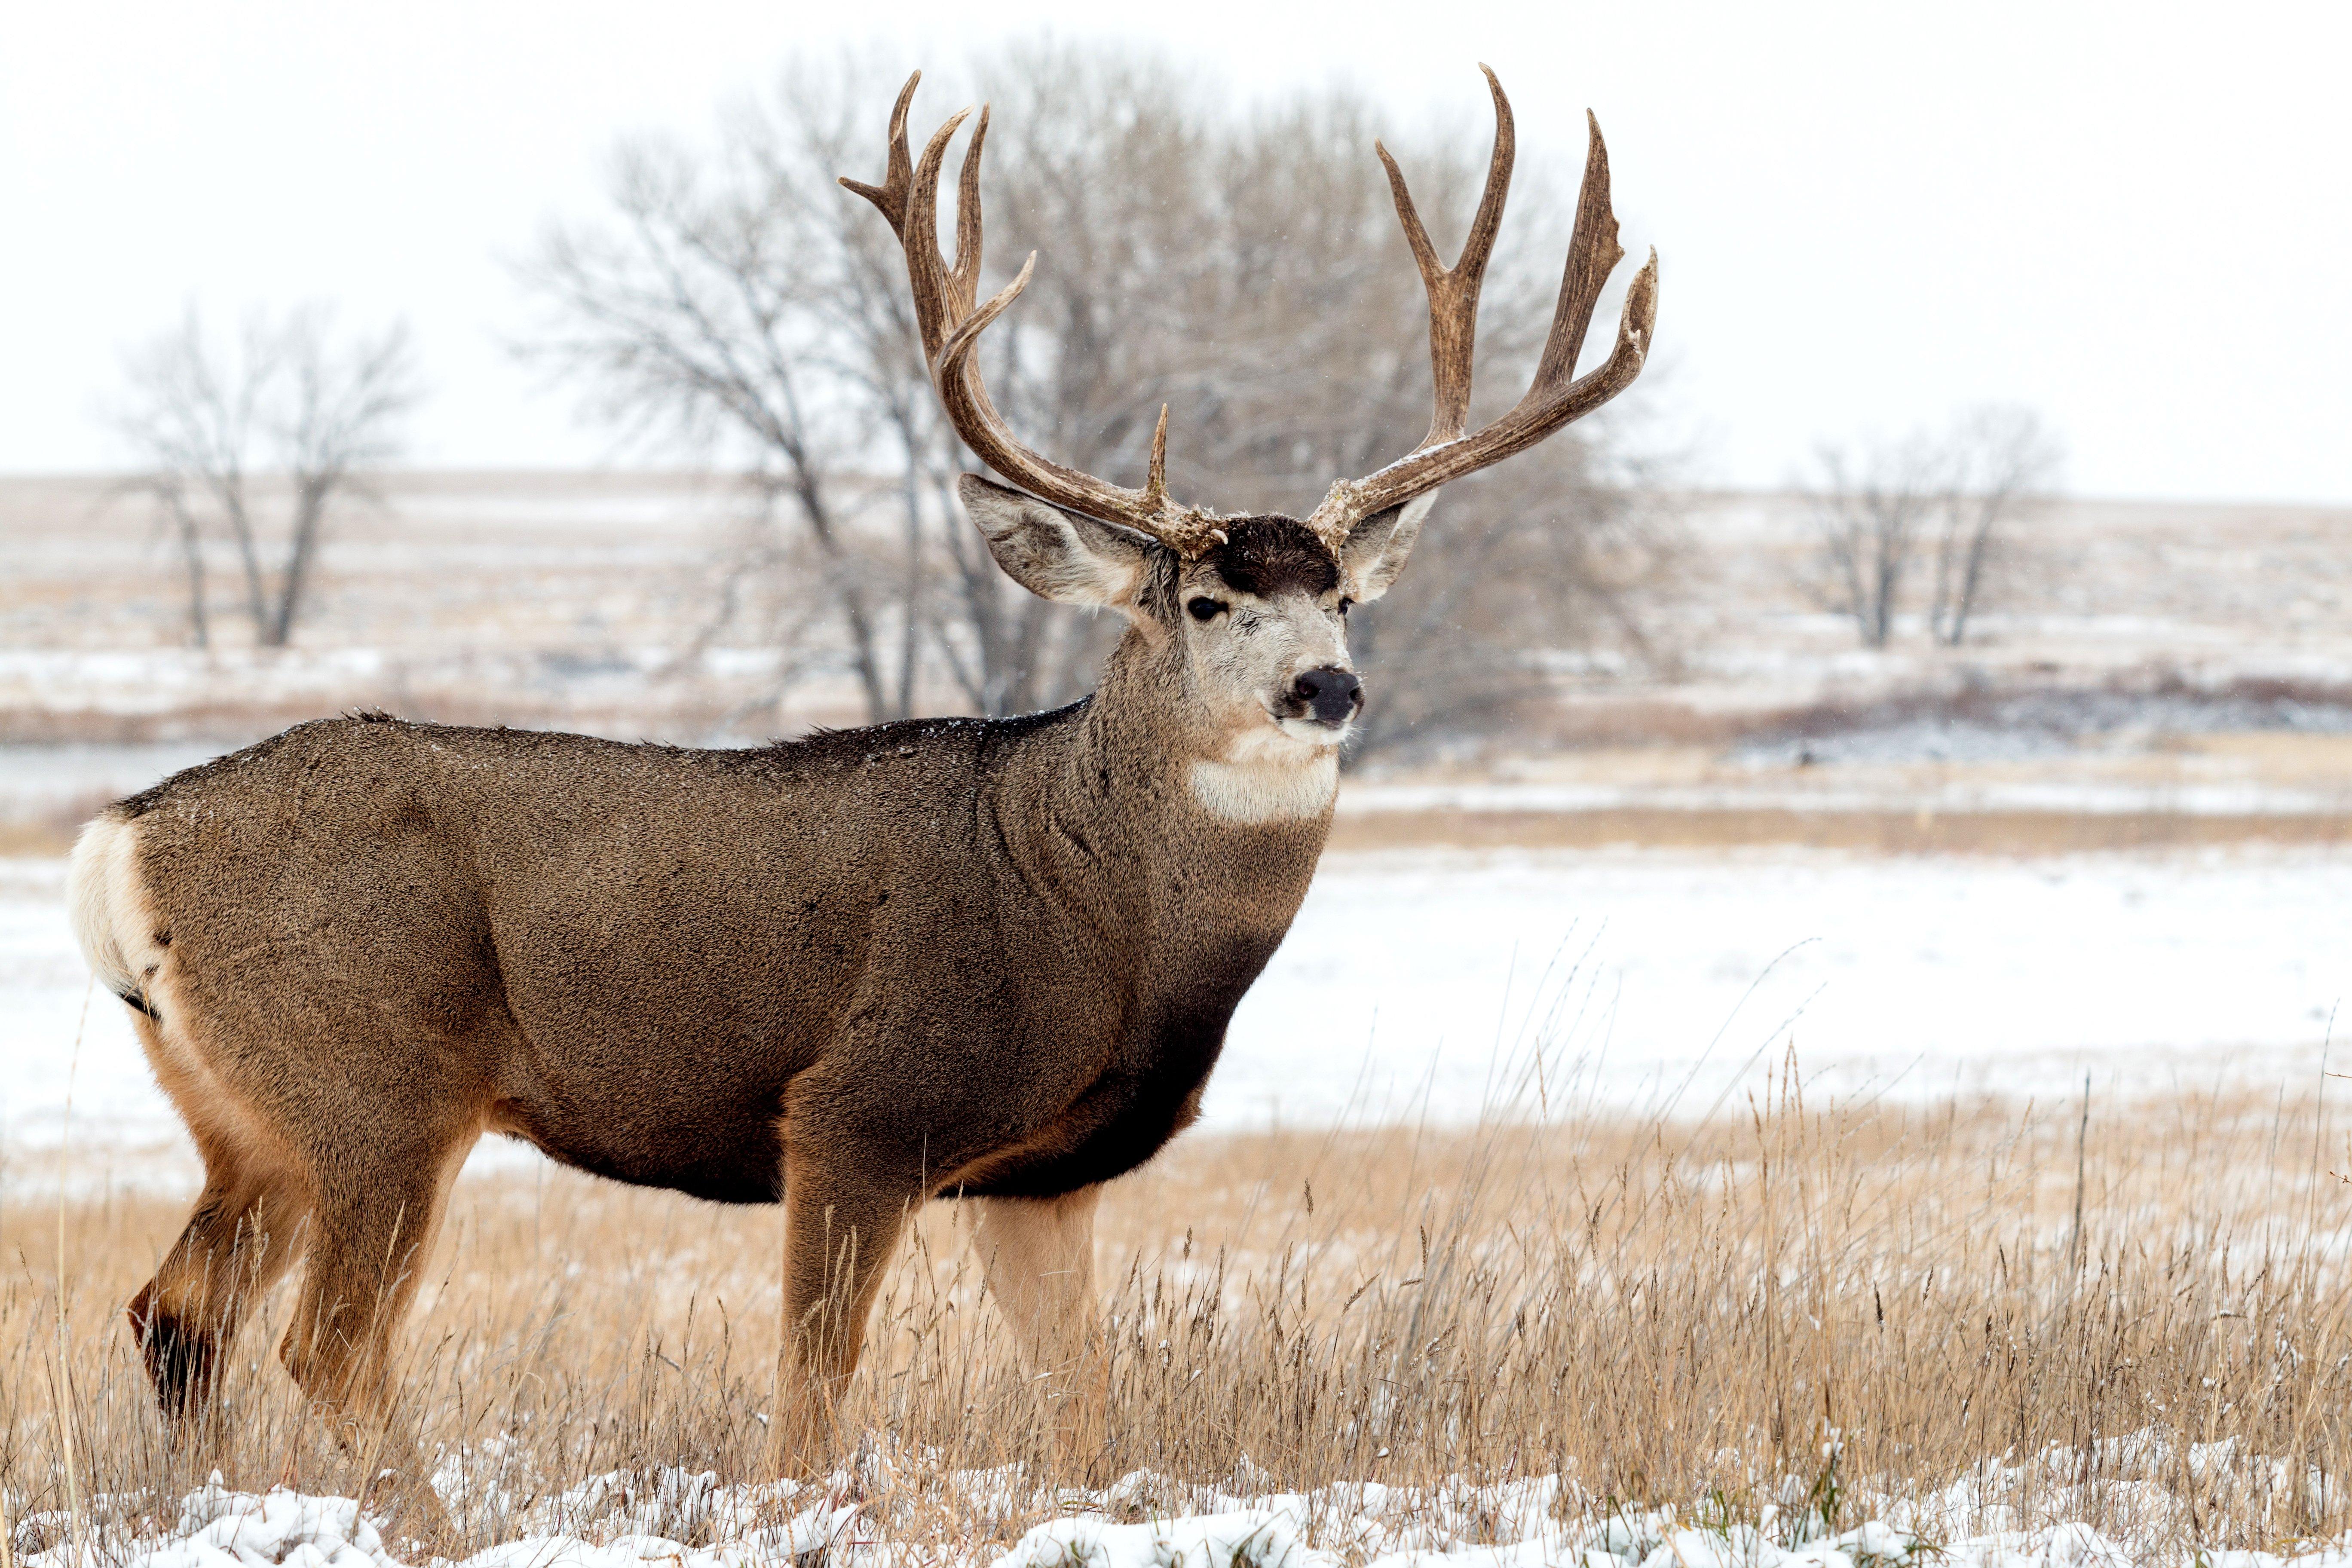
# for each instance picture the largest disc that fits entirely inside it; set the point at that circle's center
(1971, 578)
(911, 616)
(853, 611)
(192, 552)
(229, 489)
(310, 494)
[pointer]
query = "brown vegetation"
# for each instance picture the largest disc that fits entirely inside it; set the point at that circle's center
(1993, 1295)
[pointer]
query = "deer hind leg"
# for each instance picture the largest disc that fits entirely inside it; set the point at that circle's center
(236, 1245)
(1037, 1256)
(841, 1231)
(371, 1235)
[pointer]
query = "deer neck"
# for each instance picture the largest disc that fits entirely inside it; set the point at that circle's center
(1174, 788)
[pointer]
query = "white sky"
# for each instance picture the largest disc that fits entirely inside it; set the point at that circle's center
(2136, 217)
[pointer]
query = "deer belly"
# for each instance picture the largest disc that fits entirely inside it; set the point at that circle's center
(734, 1157)
(1124, 1118)
(704, 1118)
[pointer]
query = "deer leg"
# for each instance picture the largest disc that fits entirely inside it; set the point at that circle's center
(372, 1231)
(1037, 1256)
(236, 1245)
(840, 1232)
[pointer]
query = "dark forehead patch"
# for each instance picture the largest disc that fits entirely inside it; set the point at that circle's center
(1270, 556)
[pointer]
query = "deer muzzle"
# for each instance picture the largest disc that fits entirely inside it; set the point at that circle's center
(1330, 697)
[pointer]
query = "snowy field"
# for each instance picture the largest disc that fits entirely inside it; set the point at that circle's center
(1430, 983)
(2122, 676)
(1144, 1521)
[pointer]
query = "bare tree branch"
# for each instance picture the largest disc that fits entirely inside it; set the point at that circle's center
(1245, 270)
(289, 400)
(2003, 463)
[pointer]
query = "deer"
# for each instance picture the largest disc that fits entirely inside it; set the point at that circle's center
(851, 974)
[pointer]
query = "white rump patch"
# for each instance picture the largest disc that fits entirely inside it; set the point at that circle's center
(1262, 789)
(109, 906)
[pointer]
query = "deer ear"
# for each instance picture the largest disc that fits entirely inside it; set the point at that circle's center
(1377, 547)
(1056, 554)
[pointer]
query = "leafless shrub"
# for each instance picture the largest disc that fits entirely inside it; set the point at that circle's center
(1245, 270)
(1871, 510)
(289, 401)
(1962, 493)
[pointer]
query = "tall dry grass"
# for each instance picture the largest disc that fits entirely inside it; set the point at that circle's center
(1989, 1314)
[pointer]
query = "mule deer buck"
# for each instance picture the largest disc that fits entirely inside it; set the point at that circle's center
(850, 973)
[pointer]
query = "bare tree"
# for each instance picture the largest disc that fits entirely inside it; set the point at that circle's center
(1547, 554)
(1870, 509)
(288, 399)
(2002, 463)
(193, 418)
(1246, 271)
(704, 312)
(1877, 506)
(335, 422)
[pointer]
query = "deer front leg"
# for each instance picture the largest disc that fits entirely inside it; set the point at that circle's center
(1037, 1256)
(840, 1231)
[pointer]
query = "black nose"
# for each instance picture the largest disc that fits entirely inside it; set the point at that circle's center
(1333, 694)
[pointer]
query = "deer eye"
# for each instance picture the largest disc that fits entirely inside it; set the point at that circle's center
(1344, 603)
(1205, 609)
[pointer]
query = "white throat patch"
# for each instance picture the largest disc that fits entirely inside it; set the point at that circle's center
(1253, 791)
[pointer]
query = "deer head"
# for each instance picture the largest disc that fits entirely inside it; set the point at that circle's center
(1251, 609)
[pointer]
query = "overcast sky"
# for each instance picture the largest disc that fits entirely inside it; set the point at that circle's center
(2136, 218)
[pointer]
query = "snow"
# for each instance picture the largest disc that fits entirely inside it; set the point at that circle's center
(220, 1528)
(1656, 981)
(1145, 1520)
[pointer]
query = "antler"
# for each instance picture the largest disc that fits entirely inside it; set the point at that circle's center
(1558, 395)
(950, 328)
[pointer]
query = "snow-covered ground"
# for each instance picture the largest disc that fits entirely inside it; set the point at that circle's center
(1656, 980)
(1428, 982)
(1416, 984)
(622, 1519)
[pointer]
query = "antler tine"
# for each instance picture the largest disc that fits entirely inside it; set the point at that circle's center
(909, 198)
(966, 272)
(890, 196)
(1155, 484)
(1454, 291)
(951, 327)
(937, 308)
(1592, 255)
(1557, 396)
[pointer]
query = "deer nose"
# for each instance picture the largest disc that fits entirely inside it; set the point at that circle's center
(1334, 695)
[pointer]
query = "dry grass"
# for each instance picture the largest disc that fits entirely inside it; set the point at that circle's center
(1658, 1313)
